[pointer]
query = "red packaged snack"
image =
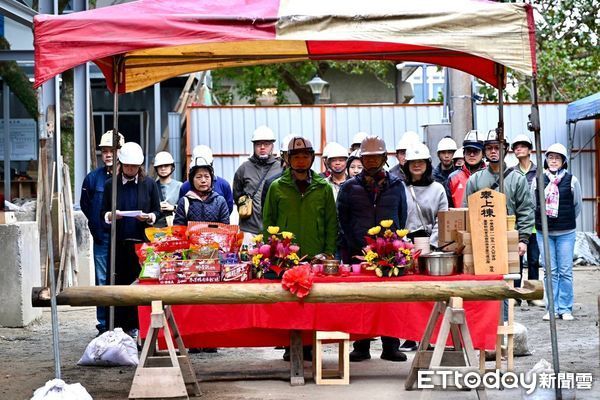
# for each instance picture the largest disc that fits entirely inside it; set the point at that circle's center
(235, 272)
(190, 266)
(227, 237)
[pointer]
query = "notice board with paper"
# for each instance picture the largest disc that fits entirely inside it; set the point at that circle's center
(487, 218)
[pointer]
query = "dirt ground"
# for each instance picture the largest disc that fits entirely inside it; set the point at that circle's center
(26, 361)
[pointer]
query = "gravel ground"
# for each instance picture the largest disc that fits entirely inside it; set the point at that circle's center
(26, 361)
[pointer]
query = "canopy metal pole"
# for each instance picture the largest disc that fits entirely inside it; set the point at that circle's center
(534, 125)
(500, 128)
(115, 142)
(7, 144)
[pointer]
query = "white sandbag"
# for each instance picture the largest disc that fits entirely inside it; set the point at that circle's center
(520, 340)
(57, 389)
(112, 348)
(539, 393)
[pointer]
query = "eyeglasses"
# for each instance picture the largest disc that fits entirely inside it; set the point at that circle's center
(554, 157)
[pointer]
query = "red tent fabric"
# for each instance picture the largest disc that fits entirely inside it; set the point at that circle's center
(157, 39)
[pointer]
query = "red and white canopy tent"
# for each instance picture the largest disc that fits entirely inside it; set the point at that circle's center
(140, 43)
(158, 39)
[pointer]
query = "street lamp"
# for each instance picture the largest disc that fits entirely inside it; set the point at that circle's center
(316, 87)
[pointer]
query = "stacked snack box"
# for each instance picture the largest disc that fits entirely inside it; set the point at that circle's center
(199, 253)
(190, 271)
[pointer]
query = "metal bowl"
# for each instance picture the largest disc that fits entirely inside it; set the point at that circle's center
(331, 267)
(439, 263)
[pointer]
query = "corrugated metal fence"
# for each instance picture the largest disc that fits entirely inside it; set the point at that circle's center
(227, 130)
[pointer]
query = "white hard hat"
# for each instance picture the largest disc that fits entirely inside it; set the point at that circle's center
(326, 150)
(446, 144)
(473, 139)
(131, 153)
(372, 145)
(299, 144)
(458, 153)
(263, 133)
(408, 139)
(286, 142)
(106, 139)
(163, 158)
(557, 148)
(203, 151)
(418, 151)
(336, 150)
(200, 162)
(359, 137)
(521, 139)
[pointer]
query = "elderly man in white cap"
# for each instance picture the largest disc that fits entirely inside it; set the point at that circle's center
(92, 192)
(249, 179)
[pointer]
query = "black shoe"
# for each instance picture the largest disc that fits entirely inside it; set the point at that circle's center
(286, 354)
(395, 355)
(409, 345)
(194, 350)
(209, 349)
(357, 356)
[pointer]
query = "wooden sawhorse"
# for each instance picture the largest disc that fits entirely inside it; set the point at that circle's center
(462, 357)
(163, 374)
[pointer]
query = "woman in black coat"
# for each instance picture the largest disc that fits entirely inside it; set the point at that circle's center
(135, 191)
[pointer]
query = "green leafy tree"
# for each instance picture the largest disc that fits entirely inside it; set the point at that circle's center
(250, 81)
(568, 53)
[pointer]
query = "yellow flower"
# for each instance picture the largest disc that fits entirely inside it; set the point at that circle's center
(257, 238)
(386, 223)
(402, 232)
(287, 235)
(256, 259)
(294, 258)
(370, 256)
(273, 230)
(388, 233)
(374, 231)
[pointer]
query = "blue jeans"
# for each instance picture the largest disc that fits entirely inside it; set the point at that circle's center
(561, 258)
(101, 267)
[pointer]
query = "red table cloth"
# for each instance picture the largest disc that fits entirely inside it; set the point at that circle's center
(266, 325)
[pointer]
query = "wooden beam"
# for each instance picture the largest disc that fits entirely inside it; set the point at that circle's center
(264, 293)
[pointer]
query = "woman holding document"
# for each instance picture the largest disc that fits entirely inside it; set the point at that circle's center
(138, 207)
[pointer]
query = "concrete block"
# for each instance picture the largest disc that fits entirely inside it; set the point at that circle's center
(19, 272)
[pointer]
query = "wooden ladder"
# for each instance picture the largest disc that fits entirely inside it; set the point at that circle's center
(163, 374)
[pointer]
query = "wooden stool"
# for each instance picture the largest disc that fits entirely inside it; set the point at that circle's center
(462, 358)
(341, 376)
(163, 374)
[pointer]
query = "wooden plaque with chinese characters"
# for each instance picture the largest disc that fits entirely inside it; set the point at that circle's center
(487, 217)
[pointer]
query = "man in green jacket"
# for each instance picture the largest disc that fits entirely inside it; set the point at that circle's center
(302, 202)
(518, 198)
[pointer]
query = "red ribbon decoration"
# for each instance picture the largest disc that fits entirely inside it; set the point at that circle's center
(298, 280)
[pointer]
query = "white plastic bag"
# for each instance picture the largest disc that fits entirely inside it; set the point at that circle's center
(112, 348)
(542, 366)
(57, 389)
